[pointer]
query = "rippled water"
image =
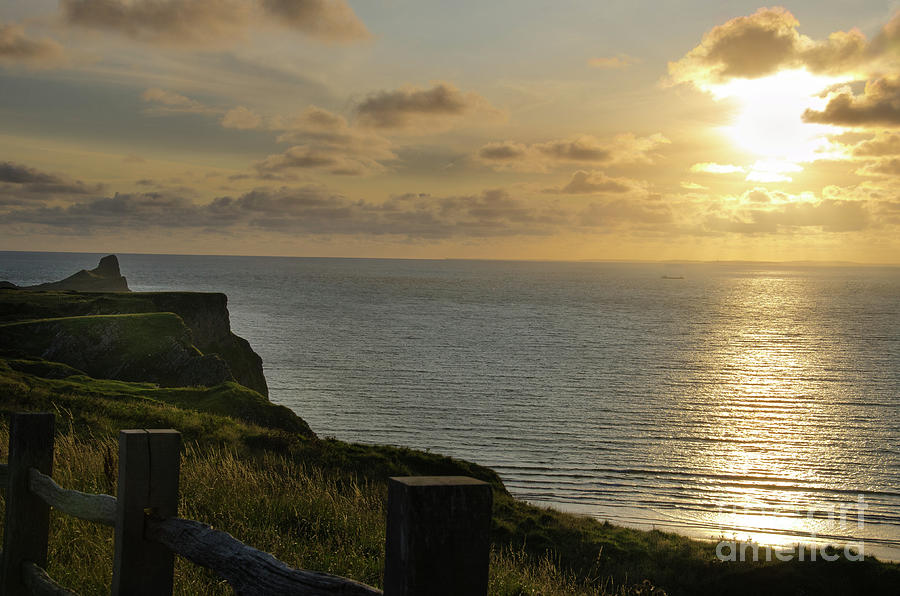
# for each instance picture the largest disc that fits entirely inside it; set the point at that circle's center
(753, 400)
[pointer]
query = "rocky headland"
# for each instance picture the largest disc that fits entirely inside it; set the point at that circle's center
(106, 277)
(91, 324)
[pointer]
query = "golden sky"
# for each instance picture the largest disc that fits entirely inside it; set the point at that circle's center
(430, 129)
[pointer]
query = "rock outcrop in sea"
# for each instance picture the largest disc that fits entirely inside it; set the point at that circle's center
(106, 277)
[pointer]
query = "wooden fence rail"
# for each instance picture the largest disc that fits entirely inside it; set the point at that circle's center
(437, 527)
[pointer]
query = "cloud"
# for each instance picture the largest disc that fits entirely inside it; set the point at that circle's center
(214, 22)
(717, 168)
(618, 62)
(881, 167)
(17, 48)
(166, 102)
(325, 140)
(328, 20)
(241, 118)
(179, 22)
(692, 186)
(505, 151)
(618, 211)
(878, 106)
(881, 144)
(763, 43)
(307, 210)
(314, 211)
(584, 149)
(831, 215)
(20, 184)
(595, 182)
(412, 109)
(169, 102)
(20, 174)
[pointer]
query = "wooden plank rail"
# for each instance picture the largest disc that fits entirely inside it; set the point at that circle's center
(250, 572)
(437, 527)
(100, 509)
(39, 583)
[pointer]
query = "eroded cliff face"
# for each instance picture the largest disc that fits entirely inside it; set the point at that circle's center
(147, 347)
(204, 314)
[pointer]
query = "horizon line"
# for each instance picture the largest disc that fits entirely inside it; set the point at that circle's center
(808, 262)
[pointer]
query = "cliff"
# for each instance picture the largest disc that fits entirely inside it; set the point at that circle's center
(149, 347)
(204, 314)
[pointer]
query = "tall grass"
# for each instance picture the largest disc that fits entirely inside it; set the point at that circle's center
(309, 518)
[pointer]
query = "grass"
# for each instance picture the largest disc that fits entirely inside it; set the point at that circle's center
(308, 518)
(129, 401)
(319, 504)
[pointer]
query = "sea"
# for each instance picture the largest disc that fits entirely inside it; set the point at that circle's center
(726, 401)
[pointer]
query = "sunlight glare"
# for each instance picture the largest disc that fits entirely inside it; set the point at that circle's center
(769, 121)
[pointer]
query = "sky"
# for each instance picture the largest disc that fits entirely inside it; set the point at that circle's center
(572, 130)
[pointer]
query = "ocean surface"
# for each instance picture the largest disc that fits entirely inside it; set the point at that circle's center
(744, 400)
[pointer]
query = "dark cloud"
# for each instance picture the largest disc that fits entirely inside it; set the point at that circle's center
(762, 44)
(583, 149)
(20, 174)
(878, 106)
(315, 211)
(328, 20)
(414, 109)
(504, 151)
(204, 22)
(17, 48)
(20, 184)
(308, 210)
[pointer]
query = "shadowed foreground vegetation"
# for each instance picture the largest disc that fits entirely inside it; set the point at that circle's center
(320, 504)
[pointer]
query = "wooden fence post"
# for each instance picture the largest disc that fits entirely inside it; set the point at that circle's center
(438, 536)
(149, 467)
(27, 516)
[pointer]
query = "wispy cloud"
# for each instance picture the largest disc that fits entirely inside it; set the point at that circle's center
(214, 22)
(16, 47)
(617, 62)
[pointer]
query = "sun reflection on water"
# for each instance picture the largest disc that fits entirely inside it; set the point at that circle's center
(767, 417)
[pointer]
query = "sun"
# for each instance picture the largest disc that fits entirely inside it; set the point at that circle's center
(769, 123)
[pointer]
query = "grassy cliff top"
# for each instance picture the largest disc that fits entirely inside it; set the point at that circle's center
(17, 305)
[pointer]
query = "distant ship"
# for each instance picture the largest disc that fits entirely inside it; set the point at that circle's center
(673, 277)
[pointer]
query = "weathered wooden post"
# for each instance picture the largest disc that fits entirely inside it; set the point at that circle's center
(27, 516)
(149, 467)
(438, 536)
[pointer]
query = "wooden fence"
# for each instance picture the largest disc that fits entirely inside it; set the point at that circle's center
(437, 538)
